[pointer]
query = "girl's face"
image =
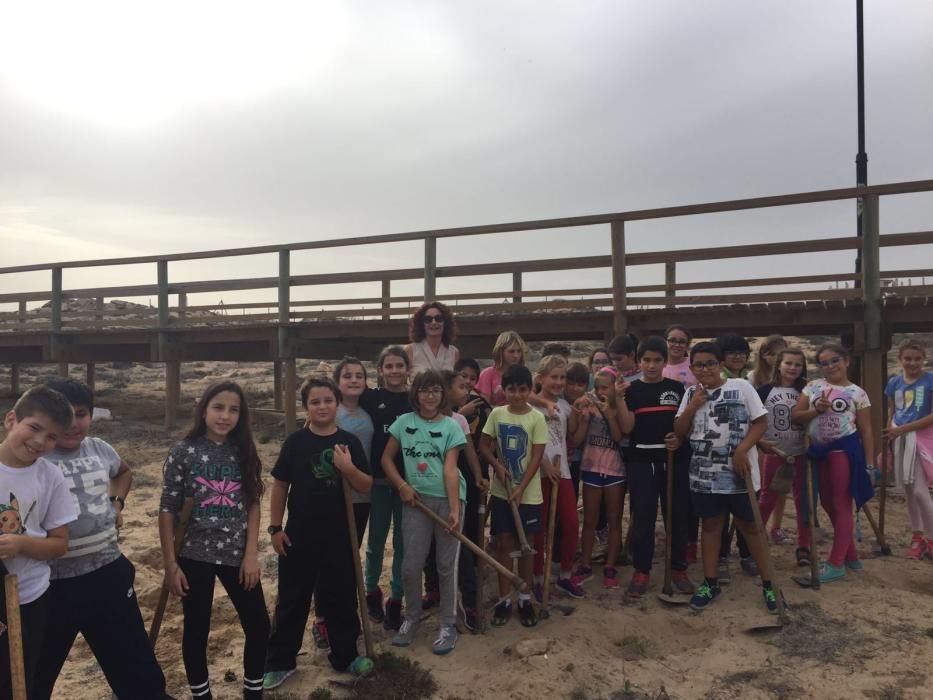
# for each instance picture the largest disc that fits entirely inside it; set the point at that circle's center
(602, 386)
(771, 355)
(394, 371)
(352, 380)
(600, 360)
(677, 346)
(321, 407)
(574, 390)
(457, 392)
(552, 383)
(791, 368)
(222, 415)
(651, 365)
(835, 367)
(433, 321)
(470, 378)
(429, 400)
(913, 361)
(512, 354)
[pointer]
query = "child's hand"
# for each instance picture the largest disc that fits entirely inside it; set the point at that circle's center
(342, 459)
(551, 471)
(516, 496)
(175, 580)
(583, 404)
(408, 494)
(501, 474)
(280, 542)
(621, 387)
(453, 520)
(698, 400)
(740, 462)
(822, 405)
(483, 486)
(249, 571)
(894, 431)
(672, 441)
(469, 408)
(766, 446)
(10, 545)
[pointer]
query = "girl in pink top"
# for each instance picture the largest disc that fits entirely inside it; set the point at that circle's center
(509, 350)
(678, 363)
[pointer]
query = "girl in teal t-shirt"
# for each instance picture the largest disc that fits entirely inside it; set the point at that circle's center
(430, 443)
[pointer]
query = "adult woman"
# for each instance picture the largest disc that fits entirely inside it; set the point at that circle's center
(431, 330)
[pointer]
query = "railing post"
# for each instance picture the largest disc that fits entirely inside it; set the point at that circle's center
(22, 311)
(517, 287)
(430, 268)
(182, 305)
(277, 385)
(619, 320)
(162, 270)
(99, 313)
(14, 379)
(54, 338)
(670, 279)
(285, 350)
(873, 361)
(90, 375)
(386, 299)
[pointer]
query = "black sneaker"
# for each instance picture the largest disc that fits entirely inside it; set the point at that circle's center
(501, 614)
(374, 605)
(393, 615)
(526, 614)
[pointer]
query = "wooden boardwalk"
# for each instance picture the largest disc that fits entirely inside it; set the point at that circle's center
(878, 304)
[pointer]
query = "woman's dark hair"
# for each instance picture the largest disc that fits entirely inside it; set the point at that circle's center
(653, 343)
(347, 360)
(319, 383)
(241, 436)
(416, 331)
(425, 380)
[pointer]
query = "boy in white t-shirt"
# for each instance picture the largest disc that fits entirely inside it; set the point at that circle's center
(35, 509)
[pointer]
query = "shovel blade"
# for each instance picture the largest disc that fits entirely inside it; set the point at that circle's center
(671, 598)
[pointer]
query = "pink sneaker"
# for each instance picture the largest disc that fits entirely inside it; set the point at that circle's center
(610, 577)
(918, 547)
(582, 575)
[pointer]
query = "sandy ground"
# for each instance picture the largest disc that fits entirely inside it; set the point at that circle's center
(868, 636)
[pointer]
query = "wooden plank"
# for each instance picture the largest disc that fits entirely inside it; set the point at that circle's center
(430, 268)
(56, 299)
(90, 374)
(517, 287)
(277, 384)
(670, 280)
(162, 275)
(386, 299)
(172, 392)
(290, 398)
(619, 301)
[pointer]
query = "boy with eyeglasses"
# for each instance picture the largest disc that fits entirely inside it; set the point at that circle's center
(724, 419)
(735, 352)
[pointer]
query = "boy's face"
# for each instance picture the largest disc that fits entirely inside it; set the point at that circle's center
(706, 368)
(735, 361)
(651, 365)
(517, 396)
(321, 407)
(623, 363)
(470, 377)
(71, 439)
(29, 438)
(913, 361)
(574, 390)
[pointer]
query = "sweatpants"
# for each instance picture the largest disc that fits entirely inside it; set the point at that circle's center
(322, 568)
(102, 606)
(418, 530)
(837, 502)
(385, 508)
(361, 516)
(767, 499)
(250, 606)
(466, 564)
(647, 484)
(34, 620)
(568, 520)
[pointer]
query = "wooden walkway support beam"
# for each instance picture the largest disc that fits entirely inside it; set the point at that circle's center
(277, 385)
(619, 319)
(290, 398)
(172, 392)
(874, 360)
(430, 268)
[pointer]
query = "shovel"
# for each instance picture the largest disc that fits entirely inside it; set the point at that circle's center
(544, 610)
(480, 567)
(768, 573)
(14, 632)
(667, 594)
(526, 549)
(357, 569)
(813, 580)
(784, 477)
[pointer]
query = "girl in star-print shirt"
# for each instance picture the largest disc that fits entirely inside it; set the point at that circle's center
(217, 466)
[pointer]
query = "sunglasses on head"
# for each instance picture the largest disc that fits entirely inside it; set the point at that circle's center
(432, 318)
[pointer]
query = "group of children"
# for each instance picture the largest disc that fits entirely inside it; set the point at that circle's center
(427, 447)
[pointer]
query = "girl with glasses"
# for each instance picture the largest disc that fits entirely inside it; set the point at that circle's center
(678, 340)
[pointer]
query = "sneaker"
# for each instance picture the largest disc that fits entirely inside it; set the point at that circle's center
(582, 575)
(610, 577)
(855, 565)
(273, 679)
(725, 576)
(526, 614)
(780, 537)
(375, 605)
(446, 640)
(682, 582)
(538, 591)
(803, 556)
(638, 585)
(770, 600)
(570, 588)
(501, 615)
(361, 666)
(393, 615)
(430, 599)
(829, 573)
(749, 566)
(918, 547)
(692, 553)
(705, 596)
(406, 634)
(319, 634)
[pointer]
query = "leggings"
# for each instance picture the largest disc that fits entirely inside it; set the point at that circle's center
(837, 502)
(196, 606)
(767, 499)
(385, 508)
(569, 525)
(919, 503)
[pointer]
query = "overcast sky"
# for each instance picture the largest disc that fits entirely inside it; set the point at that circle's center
(191, 126)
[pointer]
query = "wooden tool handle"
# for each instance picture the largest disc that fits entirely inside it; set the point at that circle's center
(14, 635)
(357, 568)
(184, 517)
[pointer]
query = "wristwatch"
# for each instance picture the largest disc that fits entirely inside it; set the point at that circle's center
(272, 529)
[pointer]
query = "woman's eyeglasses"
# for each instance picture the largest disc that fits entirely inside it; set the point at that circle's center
(430, 318)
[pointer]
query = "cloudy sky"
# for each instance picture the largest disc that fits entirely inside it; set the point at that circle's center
(128, 130)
